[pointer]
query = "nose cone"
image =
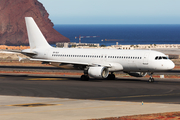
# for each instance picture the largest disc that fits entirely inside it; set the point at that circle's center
(170, 65)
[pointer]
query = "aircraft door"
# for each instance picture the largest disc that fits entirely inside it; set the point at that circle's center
(46, 54)
(145, 59)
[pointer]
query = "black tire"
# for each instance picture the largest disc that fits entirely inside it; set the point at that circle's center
(85, 77)
(151, 80)
(111, 77)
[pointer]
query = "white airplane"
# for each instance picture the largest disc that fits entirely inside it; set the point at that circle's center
(96, 63)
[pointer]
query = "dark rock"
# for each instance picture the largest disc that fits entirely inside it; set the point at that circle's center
(12, 22)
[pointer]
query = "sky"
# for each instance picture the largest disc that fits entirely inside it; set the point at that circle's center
(113, 11)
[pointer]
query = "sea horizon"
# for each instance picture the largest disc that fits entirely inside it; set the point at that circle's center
(124, 34)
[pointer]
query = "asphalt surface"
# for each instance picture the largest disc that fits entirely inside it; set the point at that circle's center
(121, 89)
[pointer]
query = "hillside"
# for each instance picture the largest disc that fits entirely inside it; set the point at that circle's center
(12, 22)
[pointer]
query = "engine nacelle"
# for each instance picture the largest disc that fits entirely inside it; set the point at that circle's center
(98, 72)
(137, 74)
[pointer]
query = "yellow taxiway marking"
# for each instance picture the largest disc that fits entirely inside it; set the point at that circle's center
(47, 79)
(34, 105)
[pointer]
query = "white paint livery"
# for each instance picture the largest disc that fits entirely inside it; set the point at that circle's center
(96, 63)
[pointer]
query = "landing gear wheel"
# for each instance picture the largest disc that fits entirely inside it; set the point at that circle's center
(151, 79)
(111, 77)
(85, 77)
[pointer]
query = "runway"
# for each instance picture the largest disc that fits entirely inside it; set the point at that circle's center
(121, 89)
(67, 97)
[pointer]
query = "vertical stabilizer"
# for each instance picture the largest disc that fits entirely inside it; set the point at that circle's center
(35, 36)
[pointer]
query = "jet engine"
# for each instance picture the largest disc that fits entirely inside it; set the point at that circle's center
(137, 74)
(98, 72)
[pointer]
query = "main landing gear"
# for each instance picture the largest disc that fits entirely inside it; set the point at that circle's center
(111, 76)
(151, 79)
(85, 77)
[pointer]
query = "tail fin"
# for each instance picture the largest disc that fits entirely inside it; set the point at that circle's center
(35, 36)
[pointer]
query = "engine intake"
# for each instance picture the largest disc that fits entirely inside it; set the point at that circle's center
(98, 72)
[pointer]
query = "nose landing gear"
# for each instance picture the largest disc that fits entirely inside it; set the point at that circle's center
(151, 79)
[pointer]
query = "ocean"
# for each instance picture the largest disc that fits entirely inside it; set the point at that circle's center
(123, 34)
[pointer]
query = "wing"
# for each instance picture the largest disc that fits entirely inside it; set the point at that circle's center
(68, 62)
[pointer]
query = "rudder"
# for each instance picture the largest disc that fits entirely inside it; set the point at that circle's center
(35, 36)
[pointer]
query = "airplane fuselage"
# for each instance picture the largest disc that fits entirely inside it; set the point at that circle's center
(128, 60)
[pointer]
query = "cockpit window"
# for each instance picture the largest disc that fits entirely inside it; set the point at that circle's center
(161, 57)
(165, 58)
